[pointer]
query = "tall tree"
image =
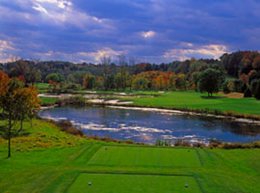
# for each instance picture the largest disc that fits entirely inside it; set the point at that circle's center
(210, 81)
(88, 81)
(16, 103)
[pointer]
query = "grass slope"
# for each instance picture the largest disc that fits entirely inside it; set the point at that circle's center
(46, 101)
(50, 161)
(198, 101)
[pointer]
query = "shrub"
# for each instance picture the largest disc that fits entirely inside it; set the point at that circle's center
(67, 127)
(247, 93)
(255, 87)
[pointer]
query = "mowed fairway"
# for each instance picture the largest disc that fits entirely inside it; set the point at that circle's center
(51, 161)
(145, 157)
(123, 183)
(197, 101)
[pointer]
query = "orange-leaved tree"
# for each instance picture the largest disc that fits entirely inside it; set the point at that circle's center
(17, 102)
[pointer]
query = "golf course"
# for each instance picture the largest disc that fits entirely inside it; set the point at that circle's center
(133, 96)
(48, 160)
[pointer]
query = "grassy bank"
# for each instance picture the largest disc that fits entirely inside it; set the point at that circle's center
(47, 160)
(197, 101)
(184, 100)
(42, 87)
(48, 101)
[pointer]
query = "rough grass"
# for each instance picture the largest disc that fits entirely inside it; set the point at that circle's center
(50, 161)
(42, 134)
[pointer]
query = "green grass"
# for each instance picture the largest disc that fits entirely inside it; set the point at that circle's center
(145, 157)
(42, 87)
(47, 160)
(48, 100)
(102, 183)
(197, 101)
(186, 100)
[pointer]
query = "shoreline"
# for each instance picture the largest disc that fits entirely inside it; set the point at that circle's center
(184, 139)
(129, 105)
(116, 103)
(183, 112)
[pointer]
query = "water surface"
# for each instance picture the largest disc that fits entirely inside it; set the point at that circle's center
(147, 127)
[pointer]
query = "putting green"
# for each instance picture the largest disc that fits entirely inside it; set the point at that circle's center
(145, 157)
(123, 183)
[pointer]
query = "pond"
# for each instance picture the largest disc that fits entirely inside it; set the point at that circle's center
(148, 127)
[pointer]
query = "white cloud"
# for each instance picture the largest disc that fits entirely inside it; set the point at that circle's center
(59, 3)
(5, 48)
(39, 8)
(148, 34)
(64, 12)
(206, 51)
(82, 56)
(53, 12)
(99, 54)
(6, 45)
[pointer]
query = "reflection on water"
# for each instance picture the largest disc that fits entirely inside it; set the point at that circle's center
(147, 127)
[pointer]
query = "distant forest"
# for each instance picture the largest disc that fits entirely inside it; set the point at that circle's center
(235, 72)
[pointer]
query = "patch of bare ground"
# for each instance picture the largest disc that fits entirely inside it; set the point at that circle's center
(234, 95)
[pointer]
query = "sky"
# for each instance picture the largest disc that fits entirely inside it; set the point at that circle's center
(153, 31)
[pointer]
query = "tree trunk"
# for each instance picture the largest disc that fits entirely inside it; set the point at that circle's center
(21, 124)
(9, 136)
(31, 121)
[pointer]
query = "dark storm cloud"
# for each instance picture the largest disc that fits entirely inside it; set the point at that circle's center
(151, 30)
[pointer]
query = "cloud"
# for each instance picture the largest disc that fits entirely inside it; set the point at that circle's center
(82, 56)
(5, 48)
(205, 51)
(150, 30)
(6, 45)
(39, 8)
(64, 12)
(99, 54)
(148, 34)
(59, 3)
(60, 13)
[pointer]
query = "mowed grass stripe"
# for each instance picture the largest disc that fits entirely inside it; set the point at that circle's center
(145, 157)
(87, 153)
(121, 183)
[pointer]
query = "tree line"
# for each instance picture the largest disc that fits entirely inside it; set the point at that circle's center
(235, 72)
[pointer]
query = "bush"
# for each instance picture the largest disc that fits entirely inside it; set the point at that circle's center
(255, 87)
(233, 86)
(247, 93)
(67, 127)
(77, 100)
(226, 87)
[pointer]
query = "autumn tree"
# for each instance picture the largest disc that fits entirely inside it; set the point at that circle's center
(16, 102)
(88, 81)
(140, 83)
(256, 63)
(4, 82)
(29, 103)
